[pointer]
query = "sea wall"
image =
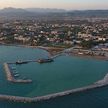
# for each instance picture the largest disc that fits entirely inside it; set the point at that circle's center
(10, 76)
(8, 73)
(98, 84)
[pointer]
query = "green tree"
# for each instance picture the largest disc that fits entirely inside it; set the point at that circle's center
(87, 44)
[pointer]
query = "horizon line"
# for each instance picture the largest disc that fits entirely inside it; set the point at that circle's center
(55, 8)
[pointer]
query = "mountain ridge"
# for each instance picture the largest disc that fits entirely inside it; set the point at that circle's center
(50, 13)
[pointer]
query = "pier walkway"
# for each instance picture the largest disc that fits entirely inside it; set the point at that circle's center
(57, 55)
(29, 61)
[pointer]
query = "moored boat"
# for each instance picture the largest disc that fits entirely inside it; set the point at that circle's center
(45, 60)
(21, 62)
(16, 75)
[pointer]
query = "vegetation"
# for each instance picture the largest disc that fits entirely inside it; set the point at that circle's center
(87, 44)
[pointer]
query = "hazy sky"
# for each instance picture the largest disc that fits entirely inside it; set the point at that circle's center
(64, 4)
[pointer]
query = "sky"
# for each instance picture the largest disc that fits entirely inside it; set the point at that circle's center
(60, 4)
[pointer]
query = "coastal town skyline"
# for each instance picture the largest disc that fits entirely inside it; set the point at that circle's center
(60, 4)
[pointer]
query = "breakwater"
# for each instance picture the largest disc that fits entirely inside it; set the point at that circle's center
(57, 55)
(30, 61)
(10, 76)
(104, 80)
(98, 84)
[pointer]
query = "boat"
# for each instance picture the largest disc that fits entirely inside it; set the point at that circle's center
(16, 72)
(16, 75)
(21, 62)
(13, 68)
(45, 60)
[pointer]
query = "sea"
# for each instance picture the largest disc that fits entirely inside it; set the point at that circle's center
(65, 73)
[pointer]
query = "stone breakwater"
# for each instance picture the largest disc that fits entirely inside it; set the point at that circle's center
(98, 84)
(103, 81)
(10, 76)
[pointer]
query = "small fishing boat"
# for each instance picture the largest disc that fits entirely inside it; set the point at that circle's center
(13, 68)
(45, 60)
(16, 75)
(21, 62)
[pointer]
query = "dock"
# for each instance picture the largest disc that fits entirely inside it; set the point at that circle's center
(22, 62)
(61, 53)
(10, 76)
(8, 73)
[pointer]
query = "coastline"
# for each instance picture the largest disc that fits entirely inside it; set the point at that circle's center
(48, 49)
(90, 57)
(53, 51)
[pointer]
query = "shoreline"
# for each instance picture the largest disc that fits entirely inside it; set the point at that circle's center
(29, 46)
(53, 51)
(90, 57)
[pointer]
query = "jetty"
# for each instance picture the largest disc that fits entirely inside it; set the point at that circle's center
(104, 80)
(57, 55)
(22, 62)
(51, 58)
(10, 76)
(98, 84)
(45, 60)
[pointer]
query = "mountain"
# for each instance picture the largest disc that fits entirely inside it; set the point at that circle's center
(12, 10)
(46, 10)
(32, 13)
(89, 13)
(31, 10)
(17, 13)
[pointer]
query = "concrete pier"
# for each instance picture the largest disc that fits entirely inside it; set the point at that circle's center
(104, 80)
(8, 73)
(10, 77)
(98, 84)
(60, 53)
(57, 55)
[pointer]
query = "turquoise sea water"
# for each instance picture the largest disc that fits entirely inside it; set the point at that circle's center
(65, 73)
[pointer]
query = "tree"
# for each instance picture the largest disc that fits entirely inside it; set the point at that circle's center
(87, 44)
(10, 39)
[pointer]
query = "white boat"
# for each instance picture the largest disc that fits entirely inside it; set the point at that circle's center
(13, 68)
(16, 75)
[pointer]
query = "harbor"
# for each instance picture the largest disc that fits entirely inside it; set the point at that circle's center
(9, 70)
(10, 77)
(39, 73)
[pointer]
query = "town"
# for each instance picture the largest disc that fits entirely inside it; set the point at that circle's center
(85, 33)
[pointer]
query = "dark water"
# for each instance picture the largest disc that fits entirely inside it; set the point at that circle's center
(97, 98)
(65, 73)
